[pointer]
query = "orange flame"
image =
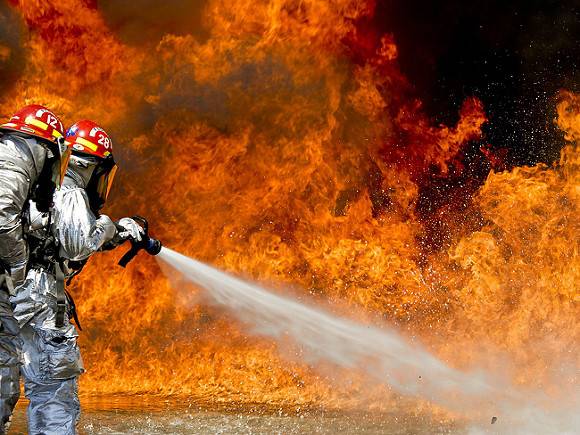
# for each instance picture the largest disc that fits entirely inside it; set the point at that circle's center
(272, 150)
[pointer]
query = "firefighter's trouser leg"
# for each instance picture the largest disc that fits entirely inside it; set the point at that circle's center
(54, 407)
(51, 358)
(9, 361)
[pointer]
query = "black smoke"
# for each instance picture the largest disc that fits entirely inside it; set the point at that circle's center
(12, 58)
(147, 21)
(513, 55)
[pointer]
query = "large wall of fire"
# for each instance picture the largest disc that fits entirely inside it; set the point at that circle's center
(283, 143)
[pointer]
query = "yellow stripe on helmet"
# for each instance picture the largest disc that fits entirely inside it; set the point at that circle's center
(36, 122)
(56, 133)
(82, 141)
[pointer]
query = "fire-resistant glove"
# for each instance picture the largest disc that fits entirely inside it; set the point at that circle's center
(128, 229)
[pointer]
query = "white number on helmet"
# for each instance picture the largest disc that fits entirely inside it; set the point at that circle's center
(105, 141)
(52, 121)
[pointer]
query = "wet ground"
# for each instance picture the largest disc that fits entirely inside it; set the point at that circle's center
(135, 417)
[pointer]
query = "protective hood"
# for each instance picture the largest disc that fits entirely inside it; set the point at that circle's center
(94, 174)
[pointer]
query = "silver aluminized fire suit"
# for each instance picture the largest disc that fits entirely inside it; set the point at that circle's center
(51, 357)
(21, 161)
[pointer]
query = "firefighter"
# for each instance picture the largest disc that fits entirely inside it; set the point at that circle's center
(60, 243)
(33, 158)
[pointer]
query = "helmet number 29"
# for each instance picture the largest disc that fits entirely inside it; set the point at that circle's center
(105, 141)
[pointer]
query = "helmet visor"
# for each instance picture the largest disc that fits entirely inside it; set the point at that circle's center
(105, 182)
(60, 157)
(64, 159)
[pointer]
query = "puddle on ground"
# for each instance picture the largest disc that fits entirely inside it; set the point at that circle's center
(150, 416)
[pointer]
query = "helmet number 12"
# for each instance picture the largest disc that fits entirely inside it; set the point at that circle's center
(52, 121)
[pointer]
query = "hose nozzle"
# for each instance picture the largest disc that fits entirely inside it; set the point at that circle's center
(148, 244)
(153, 246)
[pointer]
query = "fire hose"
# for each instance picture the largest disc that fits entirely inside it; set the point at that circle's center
(148, 244)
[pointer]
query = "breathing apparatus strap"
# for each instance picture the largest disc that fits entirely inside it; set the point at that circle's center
(73, 309)
(60, 295)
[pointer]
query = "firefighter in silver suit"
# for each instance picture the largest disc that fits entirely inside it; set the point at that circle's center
(60, 243)
(33, 158)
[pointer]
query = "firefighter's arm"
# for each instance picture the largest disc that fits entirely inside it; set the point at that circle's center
(79, 232)
(14, 188)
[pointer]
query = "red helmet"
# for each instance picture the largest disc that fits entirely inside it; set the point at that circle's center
(36, 120)
(39, 122)
(88, 138)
